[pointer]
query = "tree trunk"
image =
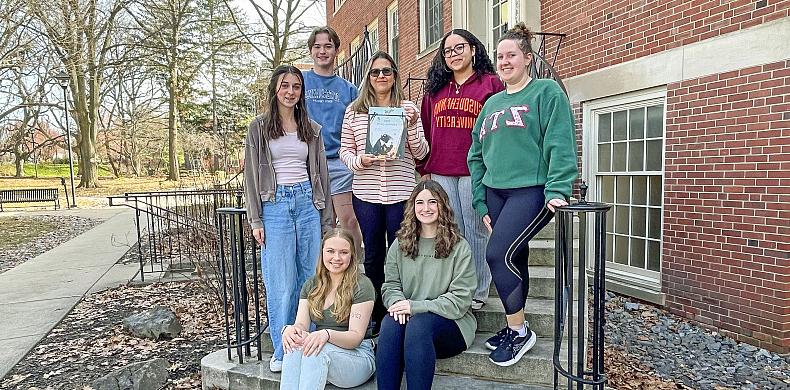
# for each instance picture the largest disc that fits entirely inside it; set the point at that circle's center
(19, 167)
(172, 112)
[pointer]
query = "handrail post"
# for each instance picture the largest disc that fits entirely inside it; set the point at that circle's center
(578, 374)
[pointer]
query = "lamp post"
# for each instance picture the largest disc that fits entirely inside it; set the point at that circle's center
(63, 80)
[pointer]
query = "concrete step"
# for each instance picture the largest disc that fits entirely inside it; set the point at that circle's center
(217, 372)
(539, 313)
(541, 283)
(541, 252)
(535, 367)
(548, 232)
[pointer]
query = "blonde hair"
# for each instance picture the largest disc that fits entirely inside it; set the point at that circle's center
(367, 96)
(323, 283)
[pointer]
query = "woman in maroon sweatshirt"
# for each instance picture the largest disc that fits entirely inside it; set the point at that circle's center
(460, 80)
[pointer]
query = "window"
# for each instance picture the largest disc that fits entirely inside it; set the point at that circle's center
(392, 30)
(500, 15)
(355, 43)
(626, 160)
(341, 56)
(338, 3)
(431, 22)
(373, 35)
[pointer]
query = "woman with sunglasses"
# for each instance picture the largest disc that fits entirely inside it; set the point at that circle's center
(380, 186)
(460, 80)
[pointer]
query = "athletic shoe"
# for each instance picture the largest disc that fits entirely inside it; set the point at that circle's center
(494, 340)
(512, 348)
(477, 304)
(275, 365)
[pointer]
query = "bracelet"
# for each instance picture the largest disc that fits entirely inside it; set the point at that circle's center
(328, 336)
(282, 331)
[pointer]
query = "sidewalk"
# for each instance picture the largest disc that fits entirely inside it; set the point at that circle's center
(37, 294)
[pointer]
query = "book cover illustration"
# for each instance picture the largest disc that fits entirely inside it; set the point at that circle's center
(386, 132)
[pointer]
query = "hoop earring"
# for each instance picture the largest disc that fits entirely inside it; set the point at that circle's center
(447, 68)
(473, 60)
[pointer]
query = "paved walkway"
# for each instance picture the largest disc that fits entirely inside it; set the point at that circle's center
(36, 295)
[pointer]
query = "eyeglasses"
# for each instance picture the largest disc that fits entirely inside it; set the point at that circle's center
(375, 72)
(455, 50)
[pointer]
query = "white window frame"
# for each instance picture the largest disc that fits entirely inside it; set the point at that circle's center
(424, 44)
(338, 4)
(393, 25)
(643, 283)
(373, 35)
(490, 40)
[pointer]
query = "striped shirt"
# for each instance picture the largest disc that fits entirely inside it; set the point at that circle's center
(383, 182)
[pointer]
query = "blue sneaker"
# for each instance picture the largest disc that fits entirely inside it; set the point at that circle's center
(512, 348)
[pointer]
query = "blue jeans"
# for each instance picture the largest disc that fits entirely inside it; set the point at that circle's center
(292, 233)
(414, 348)
(339, 366)
(459, 190)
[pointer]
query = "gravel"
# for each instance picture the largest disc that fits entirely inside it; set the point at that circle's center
(687, 354)
(47, 232)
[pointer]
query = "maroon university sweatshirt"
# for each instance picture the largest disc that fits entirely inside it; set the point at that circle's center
(448, 117)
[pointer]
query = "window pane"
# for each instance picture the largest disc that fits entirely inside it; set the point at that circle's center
(619, 157)
(637, 258)
(655, 190)
(621, 249)
(505, 14)
(607, 189)
(496, 16)
(609, 247)
(636, 155)
(655, 121)
(604, 158)
(636, 123)
(604, 127)
(620, 126)
(654, 223)
(639, 192)
(638, 218)
(610, 222)
(623, 189)
(654, 255)
(654, 155)
(621, 219)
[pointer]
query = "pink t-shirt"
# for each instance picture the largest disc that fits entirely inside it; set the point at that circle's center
(289, 159)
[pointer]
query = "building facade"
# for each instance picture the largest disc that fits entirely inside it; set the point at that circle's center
(683, 120)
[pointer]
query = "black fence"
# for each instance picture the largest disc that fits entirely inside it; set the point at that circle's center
(577, 371)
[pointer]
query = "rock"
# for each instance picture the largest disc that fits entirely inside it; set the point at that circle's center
(713, 347)
(147, 375)
(763, 353)
(153, 324)
(631, 306)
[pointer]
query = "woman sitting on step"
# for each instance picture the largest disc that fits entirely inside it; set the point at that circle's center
(338, 300)
(429, 282)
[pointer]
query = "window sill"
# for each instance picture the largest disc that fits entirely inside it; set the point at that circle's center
(429, 50)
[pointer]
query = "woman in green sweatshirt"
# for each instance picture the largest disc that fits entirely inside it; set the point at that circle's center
(428, 287)
(522, 164)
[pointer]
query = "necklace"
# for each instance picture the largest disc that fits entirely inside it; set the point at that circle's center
(457, 88)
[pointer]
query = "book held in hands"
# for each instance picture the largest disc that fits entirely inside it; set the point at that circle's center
(386, 132)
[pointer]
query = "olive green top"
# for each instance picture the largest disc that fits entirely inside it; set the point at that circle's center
(440, 286)
(363, 293)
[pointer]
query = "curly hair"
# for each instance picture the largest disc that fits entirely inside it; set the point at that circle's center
(323, 283)
(447, 232)
(439, 75)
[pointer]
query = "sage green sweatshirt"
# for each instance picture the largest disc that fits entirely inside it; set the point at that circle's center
(440, 286)
(524, 139)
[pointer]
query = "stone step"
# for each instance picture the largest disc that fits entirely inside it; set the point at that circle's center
(541, 252)
(539, 313)
(541, 283)
(535, 367)
(548, 232)
(217, 372)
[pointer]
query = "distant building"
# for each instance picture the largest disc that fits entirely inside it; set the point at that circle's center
(683, 112)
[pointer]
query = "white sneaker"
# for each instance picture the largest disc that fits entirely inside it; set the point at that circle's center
(275, 365)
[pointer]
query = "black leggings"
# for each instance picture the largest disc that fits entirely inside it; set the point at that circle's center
(517, 215)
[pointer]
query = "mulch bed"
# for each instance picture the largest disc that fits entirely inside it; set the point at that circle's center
(90, 342)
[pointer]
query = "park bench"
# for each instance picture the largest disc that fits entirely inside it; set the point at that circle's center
(29, 195)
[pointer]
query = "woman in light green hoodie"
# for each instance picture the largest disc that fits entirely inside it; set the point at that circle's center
(429, 282)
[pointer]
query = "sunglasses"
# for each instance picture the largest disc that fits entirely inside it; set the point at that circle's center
(375, 72)
(455, 50)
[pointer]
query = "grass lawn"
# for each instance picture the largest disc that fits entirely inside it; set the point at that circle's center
(15, 232)
(49, 170)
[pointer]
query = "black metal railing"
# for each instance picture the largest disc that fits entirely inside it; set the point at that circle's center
(238, 258)
(577, 371)
(353, 67)
(176, 230)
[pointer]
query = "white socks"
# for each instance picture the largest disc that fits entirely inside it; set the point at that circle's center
(522, 331)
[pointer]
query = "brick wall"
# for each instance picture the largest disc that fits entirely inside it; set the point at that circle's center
(727, 203)
(605, 32)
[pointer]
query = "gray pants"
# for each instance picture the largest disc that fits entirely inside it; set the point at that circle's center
(459, 189)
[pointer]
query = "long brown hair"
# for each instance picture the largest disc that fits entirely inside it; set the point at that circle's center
(367, 96)
(447, 232)
(323, 283)
(272, 124)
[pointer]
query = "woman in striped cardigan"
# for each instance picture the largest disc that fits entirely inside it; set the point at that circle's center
(381, 186)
